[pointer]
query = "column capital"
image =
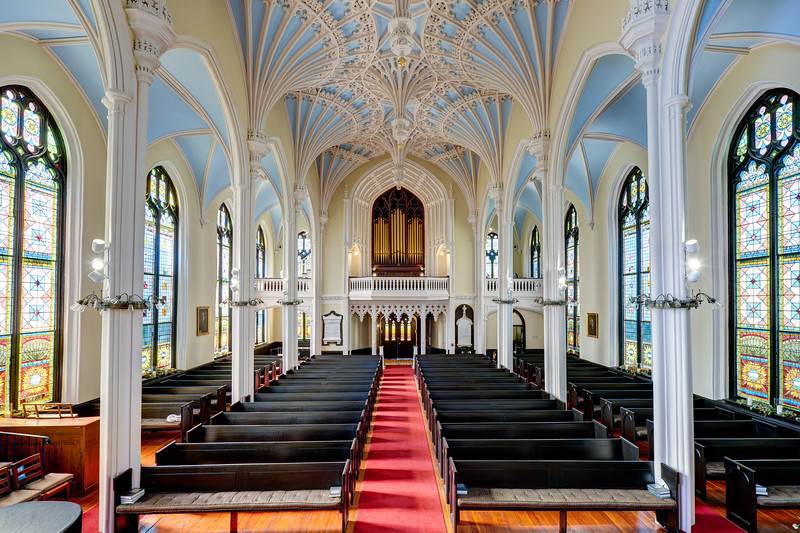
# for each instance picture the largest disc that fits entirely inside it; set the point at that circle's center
(151, 24)
(496, 194)
(115, 101)
(642, 30)
(539, 147)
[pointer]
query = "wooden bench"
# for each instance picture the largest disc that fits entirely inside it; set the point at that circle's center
(569, 485)
(611, 410)
(720, 429)
(29, 475)
(633, 422)
(710, 453)
(233, 489)
(154, 417)
(278, 406)
(780, 477)
(9, 496)
(161, 393)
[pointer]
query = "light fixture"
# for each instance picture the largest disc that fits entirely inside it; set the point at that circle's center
(668, 301)
(691, 246)
(97, 277)
(99, 246)
(693, 273)
(123, 301)
(98, 263)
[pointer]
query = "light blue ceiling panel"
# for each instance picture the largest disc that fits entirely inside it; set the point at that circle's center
(196, 150)
(275, 216)
(306, 210)
(626, 118)
(489, 212)
(525, 171)
(188, 68)
(736, 43)
(219, 176)
(776, 17)
(576, 177)
(239, 12)
(169, 113)
(39, 11)
(559, 21)
(266, 198)
(541, 12)
(268, 162)
(81, 62)
(607, 74)
(597, 154)
(531, 200)
(707, 72)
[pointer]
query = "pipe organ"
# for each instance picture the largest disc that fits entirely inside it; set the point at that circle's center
(398, 234)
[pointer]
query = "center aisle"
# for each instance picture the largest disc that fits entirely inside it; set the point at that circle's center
(399, 491)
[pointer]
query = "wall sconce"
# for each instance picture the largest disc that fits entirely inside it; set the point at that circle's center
(693, 273)
(98, 273)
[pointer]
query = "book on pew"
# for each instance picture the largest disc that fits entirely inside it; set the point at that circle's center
(659, 490)
(132, 496)
(461, 489)
(336, 492)
(761, 490)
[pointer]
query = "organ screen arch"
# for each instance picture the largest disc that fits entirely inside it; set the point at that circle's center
(398, 234)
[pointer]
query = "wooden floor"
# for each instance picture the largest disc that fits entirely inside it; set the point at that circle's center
(471, 521)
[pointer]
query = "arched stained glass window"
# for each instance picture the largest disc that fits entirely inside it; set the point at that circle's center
(261, 272)
(160, 269)
(222, 321)
(764, 167)
(303, 327)
(536, 254)
(303, 255)
(573, 282)
(32, 180)
(491, 255)
(634, 270)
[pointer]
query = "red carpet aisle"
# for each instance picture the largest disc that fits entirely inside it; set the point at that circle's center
(399, 491)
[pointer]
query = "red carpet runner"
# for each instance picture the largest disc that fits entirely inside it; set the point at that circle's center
(399, 491)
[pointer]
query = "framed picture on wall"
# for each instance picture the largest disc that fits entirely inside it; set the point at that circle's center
(591, 325)
(202, 320)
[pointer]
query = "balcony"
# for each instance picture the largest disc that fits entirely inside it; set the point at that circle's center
(525, 290)
(406, 288)
(271, 289)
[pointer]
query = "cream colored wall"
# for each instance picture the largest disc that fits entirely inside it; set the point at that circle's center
(534, 328)
(707, 139)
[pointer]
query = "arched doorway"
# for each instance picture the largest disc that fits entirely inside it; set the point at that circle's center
(399, 334)
(519, 331)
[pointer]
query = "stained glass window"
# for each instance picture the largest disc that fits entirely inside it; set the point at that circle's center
(573, 282)
(303, 255)
(32, 180)
(261, 272)
(491, 255)
(536, 254)
(303, 327)
(222, 320)
(160, 265)
(764, 171)
(634, 271)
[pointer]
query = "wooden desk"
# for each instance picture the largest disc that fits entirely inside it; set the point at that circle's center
(74, 447)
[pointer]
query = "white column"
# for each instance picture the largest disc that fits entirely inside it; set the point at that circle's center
(505, 309)
(242, 321)
(374, 334)
(289, 337)
(642, 31)
(423, 331)
(121, 341)
(316, 286)
(347, 248)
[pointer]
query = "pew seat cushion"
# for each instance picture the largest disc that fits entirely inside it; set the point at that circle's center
(48, 482)
(584, 499)
(716, 469)
(780, 496)
(641, 433)
(19, 496)
(4, 465)
(160, 423)
(209, 502)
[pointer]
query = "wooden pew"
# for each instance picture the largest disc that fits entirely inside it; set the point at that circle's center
(741, 476)
(154, 417)
(611, 414)
(710, 453)
(293, 432)
(721, 429)
(560, 486)
(593, 395)
(298, 406)
(201, 407)
(232, 489)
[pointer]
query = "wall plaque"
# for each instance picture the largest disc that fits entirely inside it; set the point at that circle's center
(332, 328)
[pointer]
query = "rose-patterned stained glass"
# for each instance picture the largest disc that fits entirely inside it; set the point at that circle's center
(9, 114)
(536, 254)
(634, 231)
(261, 272)
(766, 271)
(32, 175)
(491, 255)
(222, 322)
(573, 281)
(160, 259)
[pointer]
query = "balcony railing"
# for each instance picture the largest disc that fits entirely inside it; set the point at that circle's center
(406, 288)
(273, 288)
(522, 287)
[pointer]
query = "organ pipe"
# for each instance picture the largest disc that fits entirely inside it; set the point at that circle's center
(398, 229)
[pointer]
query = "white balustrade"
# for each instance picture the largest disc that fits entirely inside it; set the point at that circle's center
(523, 288)
(273, 288)
(426, 288)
